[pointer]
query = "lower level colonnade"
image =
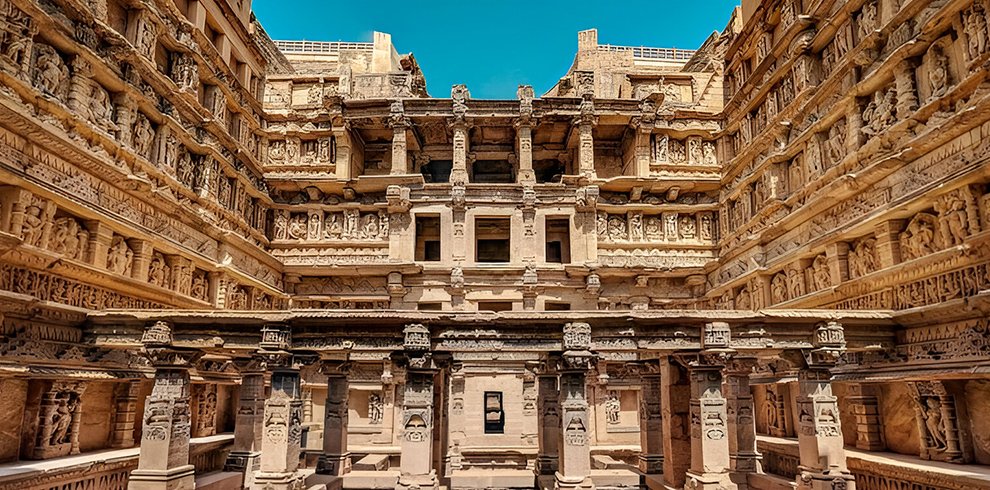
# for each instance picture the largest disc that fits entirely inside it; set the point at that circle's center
(736, 401)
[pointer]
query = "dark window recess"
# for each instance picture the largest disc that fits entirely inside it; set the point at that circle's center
(558, 237)
(548, 171)
(557, 306)
(553, 252)
(494, 415)
(428, 238)
(495, 306)
(492, 240)
(437, 171)
(492, 172)
(429, 306)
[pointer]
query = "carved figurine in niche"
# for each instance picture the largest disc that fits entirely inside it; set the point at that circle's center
(15, 39)
(297, 227)
(820, 273)
(975, 26)
(276, 150)
(932, 413)
(158, 271)
(917, 240)
(185, 72)
(938, 71)
(795, 282)
(119, 257)
(143, 135)
(376, 408)
(706, 227)
(101, 109)
(280, 226)
(236, 298)
(778, 288)
(813, 157)
(369, 227)
(351, 219)
(708, 153)
(313, 227)
(185, 169)
(867, 20)
(954, 219)
(34, 221)
(51, 75)
(617, 228)
(69, 238)
(694, 151)
(199, 286)
(662, 148)
(744, 300)
(383, 223)
(677, 154)
(687, 227)
(862, 257)
(654, 229)
(612, 408)
(147, 37)
(770, 408)
(837, 141)
(635, 226)
(881, 112)
(332, 226)
(169, 159)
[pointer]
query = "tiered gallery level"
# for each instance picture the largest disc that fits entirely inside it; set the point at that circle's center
(230, 262)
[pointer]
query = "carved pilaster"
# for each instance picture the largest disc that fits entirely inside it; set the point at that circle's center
(743, 456)
(548, 398)
(574, 446)
(416, 458)
(336, 459)
(651, 423)
(865, 407)
(125, 414)
(245, 455)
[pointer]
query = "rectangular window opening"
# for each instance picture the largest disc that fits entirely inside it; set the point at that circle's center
(494, 415)
(495, 306)
(492, 172)
(428, 238)
(492, 237)
(558, 238)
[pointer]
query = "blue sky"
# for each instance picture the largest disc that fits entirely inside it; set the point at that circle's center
(493, 46)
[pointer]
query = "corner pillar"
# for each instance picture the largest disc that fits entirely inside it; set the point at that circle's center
(548, 399)
(743, 456)
(125, 414)
(651, 424)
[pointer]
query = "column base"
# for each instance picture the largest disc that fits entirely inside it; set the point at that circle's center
(546, 465)
(709, 481)
(277, 481)
(832, 479)
(580, 482)
(180, 478)
(746, 462)
(244, 462)
(418, 482)
(651, 464)
(334, 464)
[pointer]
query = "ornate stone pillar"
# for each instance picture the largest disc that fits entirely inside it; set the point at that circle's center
(709, 411)
(574, 458)
(651, 422)
(524, 134)
(282, 413)
(416, 459)
(400, 151)
(456, 425)
(459, 95)
(838, 262)
(142, 258)
(888, 243)
(548, 399)
(164, 460)
(642, 150)
(336, 459)
(863, 403)
(245, 455)
(822, 457)
(586, 147)
(743, 456)
(125, 414)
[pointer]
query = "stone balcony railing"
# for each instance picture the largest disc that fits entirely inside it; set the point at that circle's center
(874, 470)
(104, 470)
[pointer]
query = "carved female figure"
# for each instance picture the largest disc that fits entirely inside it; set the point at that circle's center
(370, 226)
(975, 25)
(934, 423)
(612, 408)
(938, 71)
(778, 288)
(50, 71)
(119, 256)
(820, 273)
(143, 134)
